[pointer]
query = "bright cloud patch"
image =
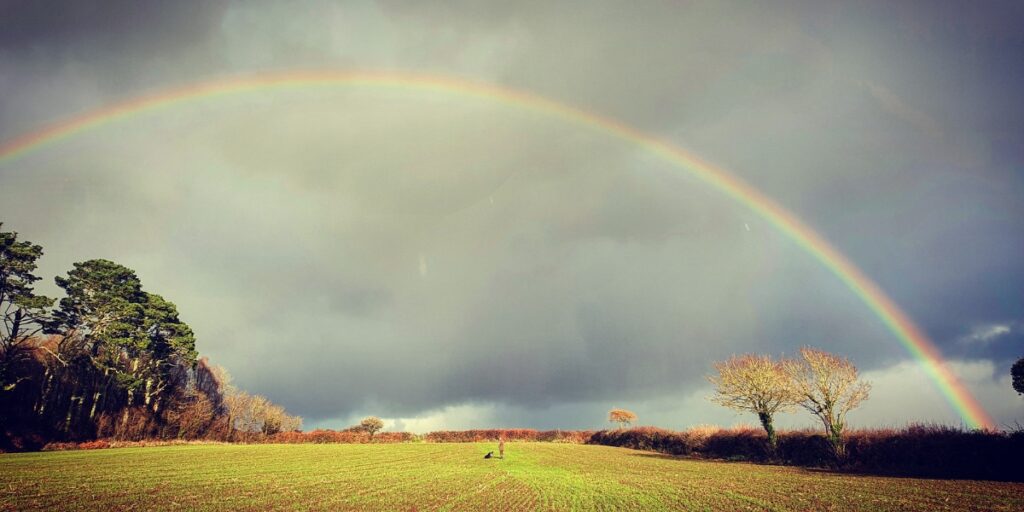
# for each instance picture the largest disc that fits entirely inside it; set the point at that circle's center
(988, 333)
(901, 394)
(904, 393)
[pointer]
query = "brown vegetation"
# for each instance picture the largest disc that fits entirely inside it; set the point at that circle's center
(920, 450)
(621, 416)
(513, 434)
(109, 360)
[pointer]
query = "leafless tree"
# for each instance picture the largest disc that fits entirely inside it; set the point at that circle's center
(829, 387)
(754, 383)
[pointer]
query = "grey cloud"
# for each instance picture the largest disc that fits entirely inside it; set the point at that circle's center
(567, 271)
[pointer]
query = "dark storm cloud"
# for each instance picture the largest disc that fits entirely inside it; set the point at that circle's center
(413, 255)
(105, 32)
(58, 58)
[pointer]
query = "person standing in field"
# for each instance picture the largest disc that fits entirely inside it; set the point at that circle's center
(501, 446)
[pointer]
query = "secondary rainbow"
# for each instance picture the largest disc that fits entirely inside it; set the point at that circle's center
(909, 335)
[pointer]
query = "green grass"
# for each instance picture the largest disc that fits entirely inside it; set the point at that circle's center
(533, 476)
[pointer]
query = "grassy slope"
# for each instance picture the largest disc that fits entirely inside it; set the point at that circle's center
(454, 477)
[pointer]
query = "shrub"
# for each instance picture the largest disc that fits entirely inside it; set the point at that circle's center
(747, 442)
(565, 436)
(939, 451)
(917, 450)
(647, 438)
(335, 436)
(808, 448)
(514, 434)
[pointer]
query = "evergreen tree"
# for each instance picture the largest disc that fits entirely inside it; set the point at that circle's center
(24, 312)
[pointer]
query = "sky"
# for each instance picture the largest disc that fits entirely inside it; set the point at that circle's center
(447, 261)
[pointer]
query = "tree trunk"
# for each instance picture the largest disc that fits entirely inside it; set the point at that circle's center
(835, 436)
(147, 396)
(81, 406)
(67, 418)
(95, 401)
(47, 383)
(769, 428)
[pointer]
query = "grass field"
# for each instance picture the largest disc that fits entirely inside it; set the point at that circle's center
(533, 476)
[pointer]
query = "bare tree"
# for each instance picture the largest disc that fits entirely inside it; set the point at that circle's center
(371, 424)
(290, 423)
(621, 416)
(828, 386)
(246, 413)
(275, 419)
(754, 383)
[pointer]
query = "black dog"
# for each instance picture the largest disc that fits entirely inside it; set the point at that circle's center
(489, 454)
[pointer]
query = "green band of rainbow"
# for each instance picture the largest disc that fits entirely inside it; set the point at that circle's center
(915, 341)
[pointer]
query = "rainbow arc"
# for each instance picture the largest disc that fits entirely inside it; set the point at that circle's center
(908, 334)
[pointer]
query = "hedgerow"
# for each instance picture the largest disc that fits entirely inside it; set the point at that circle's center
(918, 450)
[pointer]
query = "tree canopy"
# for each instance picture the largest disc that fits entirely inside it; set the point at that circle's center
(24, 312)
(829, 387)
(622, 417)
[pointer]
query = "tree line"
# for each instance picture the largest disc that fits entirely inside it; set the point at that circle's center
(109, 359)
(824, 384)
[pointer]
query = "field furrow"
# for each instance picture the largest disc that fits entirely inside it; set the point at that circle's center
(455, 477)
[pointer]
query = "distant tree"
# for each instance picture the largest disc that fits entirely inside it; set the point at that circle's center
(828, 386)
(1017, 372)
(239, 406)
(754, 383)
(289, 423)
(371, 424)
(277, 420)
(23, 312)
(621, 416)
(251, 414)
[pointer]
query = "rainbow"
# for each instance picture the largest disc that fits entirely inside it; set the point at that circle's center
(909, 335)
